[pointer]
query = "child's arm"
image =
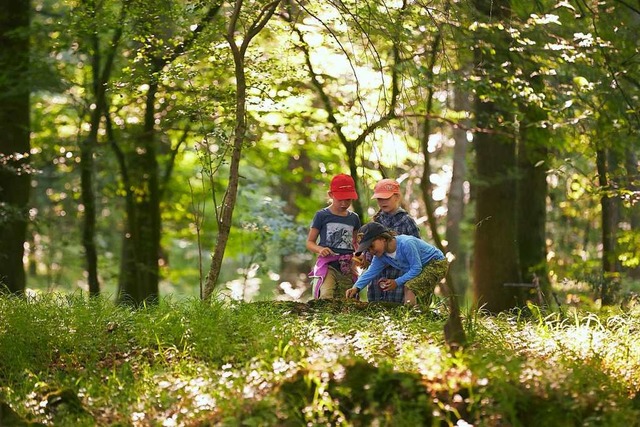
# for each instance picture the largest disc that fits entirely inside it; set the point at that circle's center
(374, 269)
(311, 244)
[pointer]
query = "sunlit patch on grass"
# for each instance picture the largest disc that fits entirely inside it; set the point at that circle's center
(585, 340)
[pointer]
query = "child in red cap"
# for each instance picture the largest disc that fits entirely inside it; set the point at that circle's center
(336, 227)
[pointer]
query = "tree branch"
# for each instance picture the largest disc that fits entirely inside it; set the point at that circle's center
(181, 48)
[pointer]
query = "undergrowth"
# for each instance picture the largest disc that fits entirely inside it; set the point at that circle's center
(72, 361)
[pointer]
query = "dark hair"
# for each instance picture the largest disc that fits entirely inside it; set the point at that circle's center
(387, 235)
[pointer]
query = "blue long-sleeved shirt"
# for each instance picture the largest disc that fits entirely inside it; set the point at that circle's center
(412, 254)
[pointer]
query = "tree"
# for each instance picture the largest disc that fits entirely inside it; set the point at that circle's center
(101, 66)
(605, 87)
(495, 250)
(224, 212)
(532, 197)
(14, 140)
(140, 167)
(327, 84)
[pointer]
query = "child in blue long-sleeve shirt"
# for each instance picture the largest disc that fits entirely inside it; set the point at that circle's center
(421, 264)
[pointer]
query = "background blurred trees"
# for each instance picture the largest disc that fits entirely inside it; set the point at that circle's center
(15, 74)
(511, 126)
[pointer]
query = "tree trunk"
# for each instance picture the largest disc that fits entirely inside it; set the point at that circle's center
(495, 249)
(87, 149)
(89, 213)
(139, 275)
(532, 199)
(633, 179)
(14, 141)
(609, 227)
(229, 200)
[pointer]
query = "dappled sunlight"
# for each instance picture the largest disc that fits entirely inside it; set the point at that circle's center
(322, 363)
(186, 398)
(291, 293)
(326, 347)
(247, 286)
(389, 148)
(584, 340)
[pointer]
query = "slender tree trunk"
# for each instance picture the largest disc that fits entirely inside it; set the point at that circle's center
(455, 202)
(633, 184)
(229, 200)
(14, 141)
(239, 137)
(87, 149)
(353, 171)
(89, 213)
(609, 227)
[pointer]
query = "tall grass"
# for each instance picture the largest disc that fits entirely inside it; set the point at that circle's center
(72, 361)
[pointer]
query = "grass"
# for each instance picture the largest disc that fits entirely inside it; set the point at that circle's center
(69, 361)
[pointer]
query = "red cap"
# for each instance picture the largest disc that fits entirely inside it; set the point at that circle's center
(386, 188)
(343, 187)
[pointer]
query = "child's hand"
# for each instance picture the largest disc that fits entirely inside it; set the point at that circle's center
(358, 261)
(388, 284)
(326, 252)
(352, 292)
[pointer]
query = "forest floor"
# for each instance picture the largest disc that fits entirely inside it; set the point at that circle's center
(69, 361)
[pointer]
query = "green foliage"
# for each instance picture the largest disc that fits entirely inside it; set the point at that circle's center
(72, 361)
(573, 64)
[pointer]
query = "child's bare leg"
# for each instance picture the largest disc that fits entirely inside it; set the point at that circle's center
(409, 296)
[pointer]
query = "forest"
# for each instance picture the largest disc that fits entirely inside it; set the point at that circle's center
(161, 162)
(185, 151)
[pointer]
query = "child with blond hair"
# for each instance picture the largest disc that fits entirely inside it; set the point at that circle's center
(390, 214)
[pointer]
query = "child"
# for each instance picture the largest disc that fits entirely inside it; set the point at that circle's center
(393, 217)
(422, 265)
(336, 226)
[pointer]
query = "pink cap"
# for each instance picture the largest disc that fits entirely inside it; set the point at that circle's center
(386, 188)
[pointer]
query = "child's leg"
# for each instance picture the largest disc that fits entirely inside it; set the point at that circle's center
(328, 287)
(409, 296)
(424, 284)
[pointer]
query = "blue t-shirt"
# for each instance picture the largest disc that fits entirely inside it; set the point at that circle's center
(336, 232)
(412, 254)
